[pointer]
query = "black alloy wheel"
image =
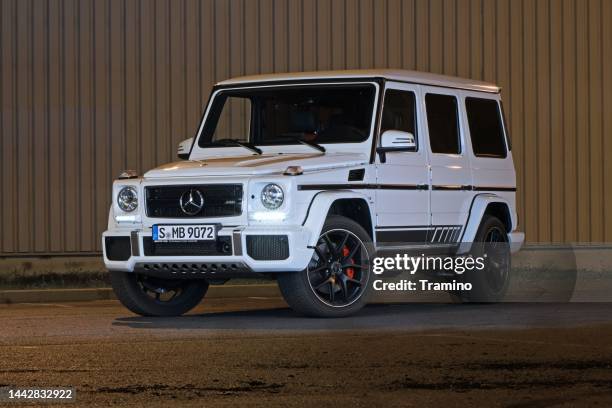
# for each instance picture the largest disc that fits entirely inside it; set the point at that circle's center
(336, 271)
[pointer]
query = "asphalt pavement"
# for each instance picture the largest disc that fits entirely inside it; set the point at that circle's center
(255, 351)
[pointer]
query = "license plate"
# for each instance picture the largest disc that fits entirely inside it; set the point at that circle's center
(165, 233)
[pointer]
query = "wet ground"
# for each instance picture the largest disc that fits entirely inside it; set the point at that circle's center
(256, 352)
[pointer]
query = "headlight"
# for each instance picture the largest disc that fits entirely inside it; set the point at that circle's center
(272, 196)
(127, 199)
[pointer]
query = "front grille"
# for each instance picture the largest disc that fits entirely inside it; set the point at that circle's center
(220, 200)
(268, 247)
(222, 246)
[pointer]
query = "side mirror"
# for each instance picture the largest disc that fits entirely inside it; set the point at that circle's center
(184, 148)
(395, 140)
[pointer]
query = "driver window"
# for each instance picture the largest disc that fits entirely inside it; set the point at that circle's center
(234, 120)
(399, 112)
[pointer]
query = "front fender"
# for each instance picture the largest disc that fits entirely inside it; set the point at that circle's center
(319, 208)
(477, 211)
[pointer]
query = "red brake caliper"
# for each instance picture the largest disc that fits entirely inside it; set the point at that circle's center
(350, 272)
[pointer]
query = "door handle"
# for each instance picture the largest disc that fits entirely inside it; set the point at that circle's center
(422, 186)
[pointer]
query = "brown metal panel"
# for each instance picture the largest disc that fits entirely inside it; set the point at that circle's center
(422, 35)
(595, 118)
(251, 39)
(23, 78)
(582, 117)
(56, 131)
(40, 146)
(177, 77)
(394, 34)
(266, 36)
(530, 115)
(449, 28)
(193, 106)
(163, 144)
(463, 38)
(207, 47)
(557, 208)
(409, 45)
(352, 35)
(476, 49)
(116, 92)
(366, 40)
(295, 34)
(309, 27)
(8, 126)
(488, 41)
(323, 46)
(280, 36)
(87, 193)
(236, 38)
(132, 123)
(338, 35)
(436, 31)
(542, 137)
(570, 199)
(515, 103)
(147, 99)
(502, 45)
(606, 80)
(101, 78)
(71, 197)
(380, 35)
(91, 87)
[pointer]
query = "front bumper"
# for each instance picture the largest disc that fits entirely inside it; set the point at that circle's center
(239, 260)
(516, 240)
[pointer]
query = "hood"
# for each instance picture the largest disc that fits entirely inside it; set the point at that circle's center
(256, 165)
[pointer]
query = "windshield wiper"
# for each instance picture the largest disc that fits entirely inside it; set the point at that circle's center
(304, 142)
(312, 144)
(235, 142)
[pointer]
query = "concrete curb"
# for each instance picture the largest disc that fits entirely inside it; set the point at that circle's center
(88, 294)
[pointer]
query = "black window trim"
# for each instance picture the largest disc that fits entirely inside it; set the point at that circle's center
(416, 122)
(500, 115)
(459, 132)
(296, 84)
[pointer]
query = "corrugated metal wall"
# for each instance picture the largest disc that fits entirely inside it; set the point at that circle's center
(91, 87)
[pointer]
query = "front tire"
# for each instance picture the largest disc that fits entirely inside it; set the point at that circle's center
(152, 296)
(336, 282)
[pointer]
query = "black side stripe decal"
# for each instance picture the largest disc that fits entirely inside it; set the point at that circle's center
(363, 187)
(317, 187)
(394, 237)
(471, 188)
(440, 234)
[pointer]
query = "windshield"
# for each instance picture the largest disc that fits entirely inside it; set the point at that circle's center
(315, 114)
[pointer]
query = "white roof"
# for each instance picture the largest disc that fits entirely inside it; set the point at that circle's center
(425, 78)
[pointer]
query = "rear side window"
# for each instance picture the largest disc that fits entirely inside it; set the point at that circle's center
(443, 123)
(486, 127)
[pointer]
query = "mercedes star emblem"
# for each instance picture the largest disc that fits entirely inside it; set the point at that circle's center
(192, 201)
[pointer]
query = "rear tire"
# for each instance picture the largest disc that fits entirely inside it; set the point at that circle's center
(490, 284)
(336, 282)
(151, 296)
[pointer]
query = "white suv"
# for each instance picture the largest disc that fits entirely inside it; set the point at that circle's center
(302, 177)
